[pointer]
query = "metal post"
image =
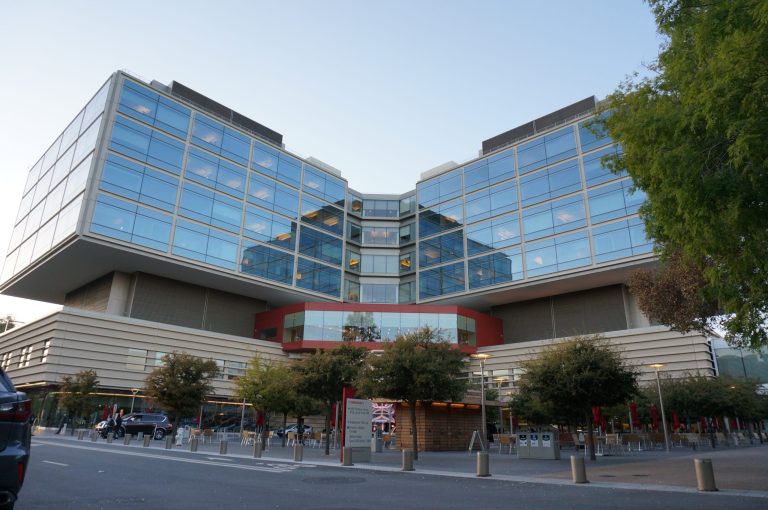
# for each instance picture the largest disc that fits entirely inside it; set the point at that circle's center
(242, 417)
(483, 464)
(346, 456)
(661, 404)
(705, 475)
(223, 448)
(133, 399)
(298, 452)
(257, 449)
(578, 470)
(408, 459)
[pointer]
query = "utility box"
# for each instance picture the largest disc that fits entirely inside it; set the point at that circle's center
(538, 445)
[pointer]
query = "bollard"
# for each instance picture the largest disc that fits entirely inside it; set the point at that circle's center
(483, 464)
(110, 437)
(127, 439)
(147, 440)
(80, 435)
(94, 436)
(257, 449)
(168, 442)
(346, 456)
(140, 436)
(193, 444)
(705, 475)
(223, 448)
(578, 470)
(298, 452)
(407, 459)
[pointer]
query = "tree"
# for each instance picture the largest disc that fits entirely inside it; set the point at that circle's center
(416, 367)
(77, 393)
(324, 374)
(693, 138)
(7, 323)
(264, 385)
(181, 384)
(572, 377)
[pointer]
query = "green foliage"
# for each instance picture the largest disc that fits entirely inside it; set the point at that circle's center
(181, 384)
(693, 138)
(77, 392)
(268, 387)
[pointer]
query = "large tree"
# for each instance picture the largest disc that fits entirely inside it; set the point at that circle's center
(181, 384)
(324, 374)
(77, 393)
(568, 379)
(265, 385)
(416, 367)
(694, 136)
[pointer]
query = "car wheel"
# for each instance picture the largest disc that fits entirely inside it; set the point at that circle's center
(7, 506)
(159, 434)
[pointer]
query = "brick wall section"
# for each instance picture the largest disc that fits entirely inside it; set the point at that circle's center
(440, 427)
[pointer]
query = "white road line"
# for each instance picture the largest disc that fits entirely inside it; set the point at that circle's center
(219, 459)
(55, 463)
(277, 469)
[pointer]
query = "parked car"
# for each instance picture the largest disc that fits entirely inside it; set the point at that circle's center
(294, 428)
(15, 440)
(156, 425)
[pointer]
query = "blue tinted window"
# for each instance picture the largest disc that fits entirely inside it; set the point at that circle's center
(322, 215)
(217, 138)
(129, 222)
(439, 189)
(620, 239)
(557, 254)
(273, 196)
(613, 201)
(264, 159)
(318, 277)
(442, 248)
(378, 293)
(531, 155)
(476, 176)
(493, 234)
(592, 134)
(554, 217)
(501, 166)
(553, 182)
(147, 145)
(209, 207)
(496, 268)
(204, 244)
(324, 186)
(491, 202)
(320, 246)
(382, 236)
(269, 228)
(595, 172)
(139, 183)
(150, 107)
(546, 150)
(439, 218)
(441, 280)
(215, 172)
(258, 260)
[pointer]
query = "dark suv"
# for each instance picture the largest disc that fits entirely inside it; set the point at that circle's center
(156, 425)
(15, 440)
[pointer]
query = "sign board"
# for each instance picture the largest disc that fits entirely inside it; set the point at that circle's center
(546, 440)
(534, 440)
(522, 439)
(357, 429)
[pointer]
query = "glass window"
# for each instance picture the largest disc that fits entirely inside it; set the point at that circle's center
(318, 277)
(620, 239)
(355, 204)
(406, 262)
(289, 170)
(378, 292)
(443, 217)
(595, 171)
(493, 234)
(496, 268)
(272, 195)
(439, 189)
(264, 159)
(206, 245)
(209, 207)
(151, 108)
(592, 133)
(62, 167)
(132, 223)
(269, 228)
(351, 292)
(67, 221)
(441, 249)
(381, 208)
(407, 233)
(139, 183)
(379, 264)
(382, 236)
(491, 202)
(95, 106)
(76, 180)
(219, 139)
(322, 185)
(355, 233)
(215, 172)
(407, 205)
(321, 246)
(546, 150)
(264, 262)
(557, 254)
(441, 280)
(614, 200)
(144, 144)
(353, 260)
(69, 135)
(554, 217)
(553, 182)
(86, 142)
(406, 293)
(322, 215)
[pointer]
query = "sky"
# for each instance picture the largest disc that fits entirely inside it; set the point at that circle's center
(382, 91)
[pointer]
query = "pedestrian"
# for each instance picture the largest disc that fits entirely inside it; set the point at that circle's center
(118, 423)
(62, 421)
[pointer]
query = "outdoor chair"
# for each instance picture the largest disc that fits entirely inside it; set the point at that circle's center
(207, 435)
(506, 441)
(291, 438)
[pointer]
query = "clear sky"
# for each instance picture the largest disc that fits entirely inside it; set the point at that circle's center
(380, 90)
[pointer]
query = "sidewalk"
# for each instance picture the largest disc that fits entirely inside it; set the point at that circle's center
(742, 469)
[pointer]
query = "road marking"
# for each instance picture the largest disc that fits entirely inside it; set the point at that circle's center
(273, 468)
(219, 458)
(55, 463)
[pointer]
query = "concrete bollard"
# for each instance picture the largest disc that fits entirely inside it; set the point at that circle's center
(223, 448)
(193, 444)
(346, 456)
(298, 452)
(80, 435)
(407, 459)
(94, 436)
(127, 439)
(147, 441)
(257, 450)
(110, 437)
(168, 442)
(140, 436)
(483, 464)
(578, 470)
(705, 474)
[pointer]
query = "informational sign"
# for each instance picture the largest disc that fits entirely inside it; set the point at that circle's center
(522, 439)
(546, 440)
(357, 429)
(534, 440)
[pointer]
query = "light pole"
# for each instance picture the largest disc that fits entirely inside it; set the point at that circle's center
(657, 366)
(482, 357)
(133, 399)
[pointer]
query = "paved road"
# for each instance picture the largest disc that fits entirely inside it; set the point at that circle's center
(69, 474)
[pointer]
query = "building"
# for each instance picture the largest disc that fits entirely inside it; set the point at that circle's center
(163, 220)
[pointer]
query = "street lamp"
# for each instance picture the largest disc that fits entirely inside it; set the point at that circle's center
(133, 399)
(657, 366)
(482, 357)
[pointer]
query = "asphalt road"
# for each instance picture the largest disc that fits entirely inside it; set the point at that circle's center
(84, 476)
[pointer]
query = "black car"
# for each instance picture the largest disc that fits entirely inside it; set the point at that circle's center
(15, 440)
(156, 425)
